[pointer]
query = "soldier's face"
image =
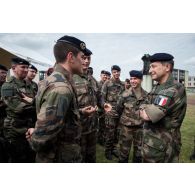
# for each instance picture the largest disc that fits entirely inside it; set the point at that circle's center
(158, 71)
(20, 71)
(31, 74)
(77, 63)
(135, 82)
(116, 74)
(87, 61)
(3, 75)
(103, 77)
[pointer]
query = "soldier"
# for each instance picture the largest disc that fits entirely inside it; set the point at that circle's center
(164, 115)
(103, 78)
(32, 71)
(86, 90)
(127, 84)
(101, 115)
(18, 95)
(108, 74)
(111, 90)
(130, 122)
(3, 152)
(56, 136)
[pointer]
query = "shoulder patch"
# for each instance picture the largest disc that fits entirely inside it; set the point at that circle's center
(161, 100)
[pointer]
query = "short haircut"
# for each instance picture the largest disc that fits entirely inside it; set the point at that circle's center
(171, 62)
(61, 50)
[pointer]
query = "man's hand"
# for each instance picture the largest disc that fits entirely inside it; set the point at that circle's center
(27, 99)
(107, 107)
(29, 133)
(88, 110)
(143, 115)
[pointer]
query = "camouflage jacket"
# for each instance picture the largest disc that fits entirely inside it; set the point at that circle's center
(86, 90)
(35, 87)
(19, 112)
(166, 111)
(100, 84)
(2, 112)
(128, 107)
(111, 90)
(57, 116)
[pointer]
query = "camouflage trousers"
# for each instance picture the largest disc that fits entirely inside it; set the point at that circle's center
(61, 153)
(20, 150)
(101, 130)
(158, 147)
(3, 150)
(88, 147)
(129, 135)
(111, 133)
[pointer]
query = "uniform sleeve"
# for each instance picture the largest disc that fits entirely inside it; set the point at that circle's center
(103, 94)
(13, 100)
(120, 105)
(51, 118)
(166, 103)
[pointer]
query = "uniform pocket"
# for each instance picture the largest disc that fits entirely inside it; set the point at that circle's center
(154, 148)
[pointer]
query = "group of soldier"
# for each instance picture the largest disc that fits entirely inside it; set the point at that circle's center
(63, 117)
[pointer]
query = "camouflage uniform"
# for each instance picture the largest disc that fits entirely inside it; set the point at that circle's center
(86, 90)
(57, 132)
(3, 152)
(111, 91)
(101, 118)
(130, 123)
(35, 87)
(19, 119)
(162, 137)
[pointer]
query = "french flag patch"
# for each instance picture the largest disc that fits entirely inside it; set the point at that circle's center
(161, 100)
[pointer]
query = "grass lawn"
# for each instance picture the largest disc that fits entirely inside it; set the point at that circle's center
(187, 131)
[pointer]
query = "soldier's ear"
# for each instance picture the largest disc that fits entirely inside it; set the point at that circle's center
(13, 66)
(70, 56)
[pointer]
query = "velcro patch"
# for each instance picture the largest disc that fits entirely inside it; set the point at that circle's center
(7, 93)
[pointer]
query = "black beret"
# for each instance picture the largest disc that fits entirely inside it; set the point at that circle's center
(108, 73)
(136, 73)
(90, 68)
(3, 67)
(74, 42)
(161, 57)
(87, 52)
(103, 72)
(20, 61)
(115, 67)
(33, 67)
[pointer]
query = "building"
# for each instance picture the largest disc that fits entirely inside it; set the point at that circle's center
(191, 82)
(181, 76)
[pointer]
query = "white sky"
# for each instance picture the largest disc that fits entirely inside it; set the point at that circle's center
(124, 49)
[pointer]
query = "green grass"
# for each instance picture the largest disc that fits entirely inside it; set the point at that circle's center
(187, 132)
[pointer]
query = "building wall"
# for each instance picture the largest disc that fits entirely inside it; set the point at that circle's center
(191, 81)
(181, 76)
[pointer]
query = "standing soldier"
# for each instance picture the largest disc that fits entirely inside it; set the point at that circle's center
(127, 84)
(18, 96)
(86, 90)
(108, 74)
(32, 71)
(165, 113)
(101, 115)
(57, 134)
(111, 90)
(130, 122)
(3, 152)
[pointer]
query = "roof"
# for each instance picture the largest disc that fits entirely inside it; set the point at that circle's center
(8, 51)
